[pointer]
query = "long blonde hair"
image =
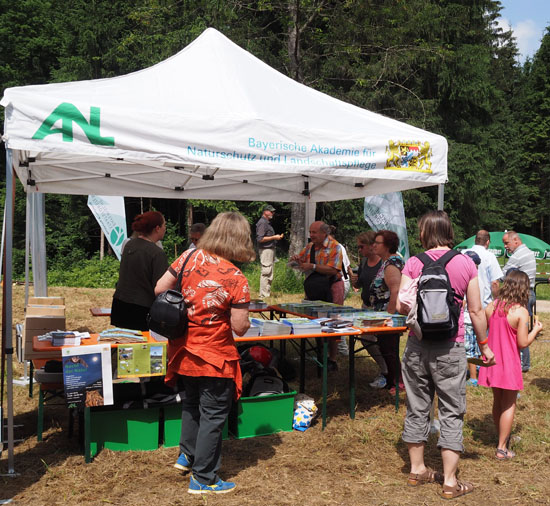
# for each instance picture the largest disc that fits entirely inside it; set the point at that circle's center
(228, 236)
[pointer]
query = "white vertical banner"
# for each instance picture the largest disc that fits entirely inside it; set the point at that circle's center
(111, 216)
(386, 212)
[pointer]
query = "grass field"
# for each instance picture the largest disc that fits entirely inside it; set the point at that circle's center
(352, 462)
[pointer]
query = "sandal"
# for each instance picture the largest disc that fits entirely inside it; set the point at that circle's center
(428, 476)
(461, 488)
(504, 454)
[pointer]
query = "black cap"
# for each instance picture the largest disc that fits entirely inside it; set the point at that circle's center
(269, 208)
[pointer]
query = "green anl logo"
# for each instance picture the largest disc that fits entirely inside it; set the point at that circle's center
(68, 114)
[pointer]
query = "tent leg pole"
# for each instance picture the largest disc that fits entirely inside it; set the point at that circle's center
(7, 313)
(440, 196)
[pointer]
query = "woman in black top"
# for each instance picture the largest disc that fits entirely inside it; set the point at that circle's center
(141, 266)
(368, 267)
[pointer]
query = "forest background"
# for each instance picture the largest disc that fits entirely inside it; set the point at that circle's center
(442, 65)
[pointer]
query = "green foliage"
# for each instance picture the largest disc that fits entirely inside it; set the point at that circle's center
(173, 243)
(93, 273)
(285, 279)
(441, 65)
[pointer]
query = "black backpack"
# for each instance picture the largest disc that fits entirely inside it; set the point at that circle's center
(265, 381)
(168, 314)
(438, 305)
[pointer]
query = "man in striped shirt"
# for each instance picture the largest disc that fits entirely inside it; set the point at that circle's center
(523, 259)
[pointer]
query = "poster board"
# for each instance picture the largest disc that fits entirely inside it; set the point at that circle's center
(87, 376)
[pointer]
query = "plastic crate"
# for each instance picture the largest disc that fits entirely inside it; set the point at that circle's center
(260, 416)
(172, 426)
(124, 430)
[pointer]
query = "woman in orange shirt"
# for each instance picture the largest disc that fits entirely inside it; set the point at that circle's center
(206, 360)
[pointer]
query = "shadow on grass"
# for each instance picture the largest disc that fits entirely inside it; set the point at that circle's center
(241, 454)
(484, 432)
(432, 454)
(338, 390)
(31, 464)
(542, 384)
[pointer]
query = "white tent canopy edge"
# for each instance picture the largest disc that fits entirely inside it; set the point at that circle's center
(209, 122)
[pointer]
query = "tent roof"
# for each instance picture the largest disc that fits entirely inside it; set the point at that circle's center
(211, 122)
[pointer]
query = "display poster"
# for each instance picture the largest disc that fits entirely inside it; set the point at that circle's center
(87, 375)
(141, 359)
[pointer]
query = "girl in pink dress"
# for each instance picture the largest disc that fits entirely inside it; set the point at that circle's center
(508, 322)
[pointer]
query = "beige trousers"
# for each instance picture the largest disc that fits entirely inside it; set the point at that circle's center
(267, 259)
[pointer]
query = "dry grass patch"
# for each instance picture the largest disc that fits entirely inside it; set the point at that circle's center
(352, 462)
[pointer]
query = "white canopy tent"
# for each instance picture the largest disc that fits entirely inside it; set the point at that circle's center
(211, 122)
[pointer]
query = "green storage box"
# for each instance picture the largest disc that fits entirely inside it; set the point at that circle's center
(124, 429)
(172, 426)
(260, 416)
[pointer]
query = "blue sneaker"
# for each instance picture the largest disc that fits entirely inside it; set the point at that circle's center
(221, 487)
(472, 382)
(183, 463)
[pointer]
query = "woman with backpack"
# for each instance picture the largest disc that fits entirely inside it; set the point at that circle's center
(436, 362)
(205, 361)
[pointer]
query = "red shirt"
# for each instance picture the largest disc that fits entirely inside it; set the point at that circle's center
(211, 287)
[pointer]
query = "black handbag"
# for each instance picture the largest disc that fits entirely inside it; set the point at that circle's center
(168, 313)
(317, 285)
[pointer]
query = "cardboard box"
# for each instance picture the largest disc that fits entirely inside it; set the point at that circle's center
(36, 326)
(47, 301)
(45, 311)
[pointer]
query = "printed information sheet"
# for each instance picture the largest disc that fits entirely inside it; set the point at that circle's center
(141, 359)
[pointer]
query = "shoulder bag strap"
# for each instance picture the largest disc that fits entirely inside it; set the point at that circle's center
(424, 258)
(312, 254)
(179, 280)
(444, 260)
(447, 257)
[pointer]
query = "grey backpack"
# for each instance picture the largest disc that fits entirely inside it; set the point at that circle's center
(438, 305)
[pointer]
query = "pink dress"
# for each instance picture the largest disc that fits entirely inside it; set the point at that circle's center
(503, 340)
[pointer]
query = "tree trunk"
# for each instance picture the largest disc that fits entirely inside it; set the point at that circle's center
(297, 228)
(298, 211)
(293, 44)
